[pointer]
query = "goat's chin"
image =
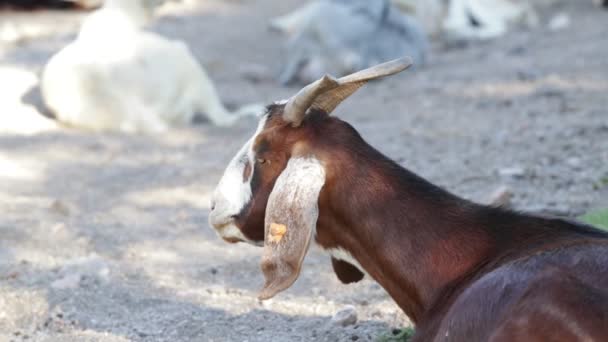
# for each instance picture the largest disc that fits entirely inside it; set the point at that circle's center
(232, 239)
(232, 234)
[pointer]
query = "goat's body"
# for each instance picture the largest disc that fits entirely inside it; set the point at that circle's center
(338, 37)
(129, 83)
(461, 271)
(556, 294)
(483, 19)
(117, 76)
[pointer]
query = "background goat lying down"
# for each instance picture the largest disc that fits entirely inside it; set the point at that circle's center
(461, 271)
(117, 75)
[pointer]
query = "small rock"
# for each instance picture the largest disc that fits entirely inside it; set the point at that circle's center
(346, 316)
(60, 208)
(517, 50)
(559, 22)
(58, 227)
(12, 275)
(574, 162)
(514, 172)
(362, 302)
(501, 197)
(528, 75)
(549, 91)
(91, 266)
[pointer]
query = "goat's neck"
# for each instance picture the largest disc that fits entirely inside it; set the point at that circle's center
(413, 238)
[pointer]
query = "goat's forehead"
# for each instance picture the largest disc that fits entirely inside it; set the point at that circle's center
(262, 124)
(247, 149)
(271, 117)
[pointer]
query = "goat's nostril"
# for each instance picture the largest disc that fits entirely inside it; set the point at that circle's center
(212, 205)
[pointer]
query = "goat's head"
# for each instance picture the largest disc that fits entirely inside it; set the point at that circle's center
(269, 192)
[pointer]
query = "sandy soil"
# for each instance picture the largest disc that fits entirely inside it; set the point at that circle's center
(104, 237)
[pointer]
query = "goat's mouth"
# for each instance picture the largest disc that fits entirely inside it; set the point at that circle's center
(226, 228)
(229, 232)
(232, 239)
(219, 220)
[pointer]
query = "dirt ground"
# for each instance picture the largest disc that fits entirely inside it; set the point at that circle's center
(104, 237)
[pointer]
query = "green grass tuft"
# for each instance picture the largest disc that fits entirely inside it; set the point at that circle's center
(598, 218)
(602, 182)
(397, 335)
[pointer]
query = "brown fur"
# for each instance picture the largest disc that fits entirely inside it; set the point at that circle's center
(459, 270)
(346, 272)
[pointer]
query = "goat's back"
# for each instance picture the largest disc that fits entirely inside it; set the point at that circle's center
(551, 293)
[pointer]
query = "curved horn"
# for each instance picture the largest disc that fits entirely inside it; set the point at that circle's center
(329, 100)
(296, 107)
(327, 93)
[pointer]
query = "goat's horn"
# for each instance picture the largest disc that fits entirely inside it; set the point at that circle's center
(327, 93)
(328, 101)
(296, 107)
(378, 71)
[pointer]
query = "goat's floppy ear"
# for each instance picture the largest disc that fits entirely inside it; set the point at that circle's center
(291, 219)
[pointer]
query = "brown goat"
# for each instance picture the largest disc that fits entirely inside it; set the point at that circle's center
(460, 271)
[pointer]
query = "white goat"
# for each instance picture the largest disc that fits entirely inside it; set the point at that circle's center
(486, 19)
(456, 19)
(116, 76)
(472, 19)
(340, 36)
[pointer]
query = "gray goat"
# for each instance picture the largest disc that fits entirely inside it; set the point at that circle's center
(341, 36)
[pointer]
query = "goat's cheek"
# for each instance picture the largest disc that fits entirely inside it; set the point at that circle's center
(251, 223)
(251, 218)
(247, 171)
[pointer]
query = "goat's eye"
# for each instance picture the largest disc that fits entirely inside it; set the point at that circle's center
(261, 160)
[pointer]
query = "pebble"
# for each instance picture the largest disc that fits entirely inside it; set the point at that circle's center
(60, 207)
(574, 162)
(549, 91)
(514, 171)
(501, 197)
(528, 75)
(346, 316)
(73, 271)
(559, 22)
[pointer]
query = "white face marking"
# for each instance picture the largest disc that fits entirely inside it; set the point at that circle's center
(232, 193)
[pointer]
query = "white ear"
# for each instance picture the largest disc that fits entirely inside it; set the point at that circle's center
(291, 219)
